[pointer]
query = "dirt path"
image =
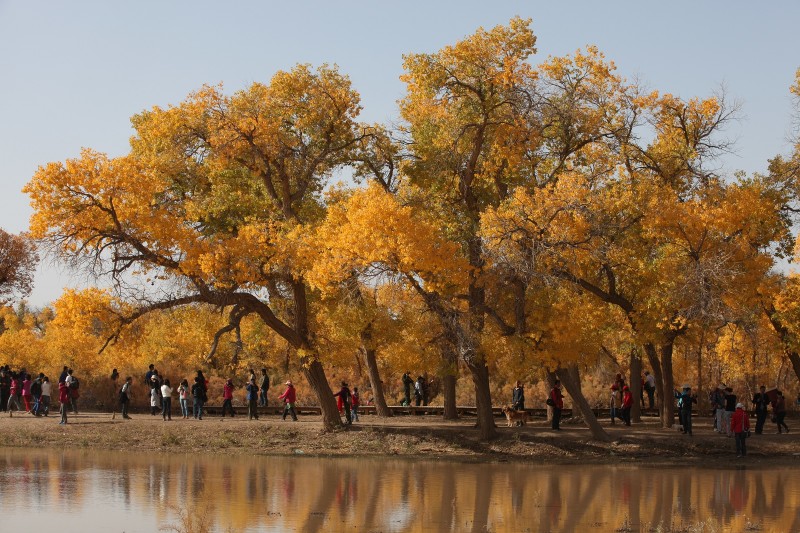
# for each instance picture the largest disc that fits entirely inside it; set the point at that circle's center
(409, 436)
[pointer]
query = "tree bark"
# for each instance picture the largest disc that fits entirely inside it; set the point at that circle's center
(381, 409)
(668, 413)
(483, 399)
(636, 386)
(315, 374)
(368, 349)
(571, 379)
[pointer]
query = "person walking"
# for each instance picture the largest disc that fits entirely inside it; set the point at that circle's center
(64, 398)
(557, 400)
(183, 398)
(166, 401)
(344, 396)
(198, 397)
(227, 398)
(252, 399)
(125, 397)
(779, 411)
(760, 406)
(289, 398)
(263, 388)
(627, 404)
(686, 401)
(26, 393)
(36, 393)
(15, 392)
(740, 423)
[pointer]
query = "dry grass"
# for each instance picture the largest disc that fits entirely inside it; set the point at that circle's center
(399, 436)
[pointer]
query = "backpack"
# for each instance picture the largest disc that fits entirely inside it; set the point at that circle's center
(74, 384)
(36, 388)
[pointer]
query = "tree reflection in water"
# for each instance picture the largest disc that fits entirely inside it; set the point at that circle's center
(140, 492)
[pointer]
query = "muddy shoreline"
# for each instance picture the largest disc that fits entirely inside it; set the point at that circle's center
(411, 437)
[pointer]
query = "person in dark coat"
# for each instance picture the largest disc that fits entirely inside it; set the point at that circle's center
(761, 406)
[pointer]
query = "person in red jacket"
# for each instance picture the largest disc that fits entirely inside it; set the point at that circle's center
(627, 403)
(740, 423)
(558, 404)
(289, 398)
(64, 397)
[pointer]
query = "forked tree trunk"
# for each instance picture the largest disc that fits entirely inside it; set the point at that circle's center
(571, 379)
(483, 400)
(636, 386)
(315, 375)
(368, 349)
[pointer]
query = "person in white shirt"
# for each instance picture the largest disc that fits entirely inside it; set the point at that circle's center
(166, 401)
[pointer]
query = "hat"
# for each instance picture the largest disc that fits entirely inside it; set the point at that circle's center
(614, 387)
(289, 382)
(153, 378)
(740, 405)
(625, 388)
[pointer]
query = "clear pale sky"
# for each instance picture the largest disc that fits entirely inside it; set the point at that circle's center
(72, 73)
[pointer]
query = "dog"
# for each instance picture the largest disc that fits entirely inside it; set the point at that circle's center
(515, 418)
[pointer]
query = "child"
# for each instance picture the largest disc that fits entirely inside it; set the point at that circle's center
(356, 401)
(47, 388)
(227, 398)
(183, 395)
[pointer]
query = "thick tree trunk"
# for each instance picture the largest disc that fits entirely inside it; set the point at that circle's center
(794, 357)
(668, 413)
(636, 386)
(483, 400)
(381, 409)
(315, 374)
(571, 379)
(449, 376)
(368, 349)
(449, 390)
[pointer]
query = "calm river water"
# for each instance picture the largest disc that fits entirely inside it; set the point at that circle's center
(114, 492)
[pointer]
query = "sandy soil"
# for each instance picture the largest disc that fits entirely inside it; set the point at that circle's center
(409, 436)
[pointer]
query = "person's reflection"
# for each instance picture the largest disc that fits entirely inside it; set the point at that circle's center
(484, 483)
(251, 485)
(738, 495)
(552, 502)
(684, 496)
(327, 487)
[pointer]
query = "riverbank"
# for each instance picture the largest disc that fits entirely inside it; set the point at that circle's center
(402, 436)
